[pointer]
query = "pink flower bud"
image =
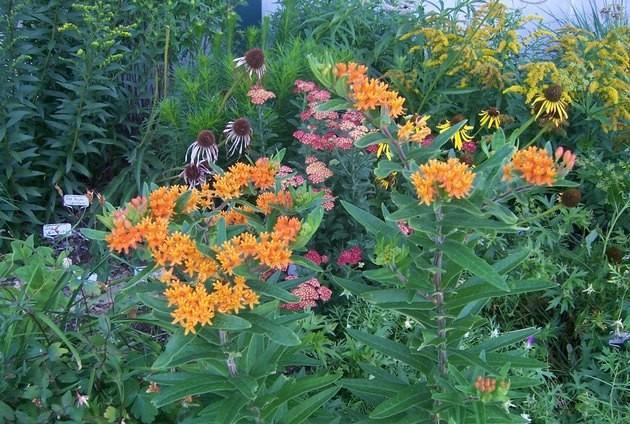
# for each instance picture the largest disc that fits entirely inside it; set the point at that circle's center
(559, 152)
(569, 159)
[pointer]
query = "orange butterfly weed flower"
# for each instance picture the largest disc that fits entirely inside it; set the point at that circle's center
(263, 174)
(124, 237)
(286, 229)
(229, 255)
(369, 93)
(452, 176)
(193, 305)
(354, 72)
(233, 216)
(273, 252)
(162, 202)
(535, 165)
(265, 201)
(154, 231)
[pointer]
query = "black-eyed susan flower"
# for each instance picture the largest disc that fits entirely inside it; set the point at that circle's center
(204, 148)
(552, 105)
(490, 118)
(462, 135)
(239, 134)
(384, 149)
(253, 61)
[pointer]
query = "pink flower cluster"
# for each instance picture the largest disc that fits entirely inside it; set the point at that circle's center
(351, 256)
(289, 177)
(327, 130)
(315, 257)
(309, 293)
(405, 228)
(329, 199)
(317, 172)
(259, 95)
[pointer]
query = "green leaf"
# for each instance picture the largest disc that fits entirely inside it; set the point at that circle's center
(404, 400)
(371, 223)
(273, 291)
(395, 350)
(191, 387)
(55, 329)
(467, 259)
(308, 407)
(370, 139)
(181, 349)
(386, 167)
(351, 286)
(334, 104)
(505, 339)
(229, 322)
(298, 388)
(94, 234)
(229, 409)
(277, 333)
(303, 262)
(309, 227)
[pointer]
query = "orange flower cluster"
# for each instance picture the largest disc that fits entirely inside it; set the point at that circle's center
(415, 130)
(453, 176)
(147, 220)
(229, 185)
(369, 93)
(271, 250)
(535, 165)
(268, 199)
(195, 306)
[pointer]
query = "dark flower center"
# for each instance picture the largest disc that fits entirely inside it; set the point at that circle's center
(493, 111)
(255, 58)
(192, 172)
(553, 93)
(571, 198)
(206, 139)
(457, 118)
(242, 127)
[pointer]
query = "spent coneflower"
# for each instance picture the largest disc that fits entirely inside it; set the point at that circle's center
(462, 135)
(253, 61)
(204, 148)
(195, 174)
(552, 105)
(490, 118)
(239, 134)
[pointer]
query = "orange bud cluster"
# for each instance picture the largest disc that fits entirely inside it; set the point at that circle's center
(267, 200)
(453, 176)
(486, 384)
(369, 93)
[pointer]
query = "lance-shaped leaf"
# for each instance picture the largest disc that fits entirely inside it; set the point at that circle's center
(467, 259)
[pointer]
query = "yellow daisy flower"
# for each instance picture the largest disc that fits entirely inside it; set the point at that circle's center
(490, 118)
(552, 105)
(461, 136)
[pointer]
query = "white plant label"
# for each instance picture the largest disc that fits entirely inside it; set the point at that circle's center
(56, 230)
(79, 200)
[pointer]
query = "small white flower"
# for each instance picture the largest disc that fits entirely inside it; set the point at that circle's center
(361, 265)
(494, 333)
(589, 290)
(408, 324)
(526, 418)
(82, 400)
(67, 263)
(467, 334)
